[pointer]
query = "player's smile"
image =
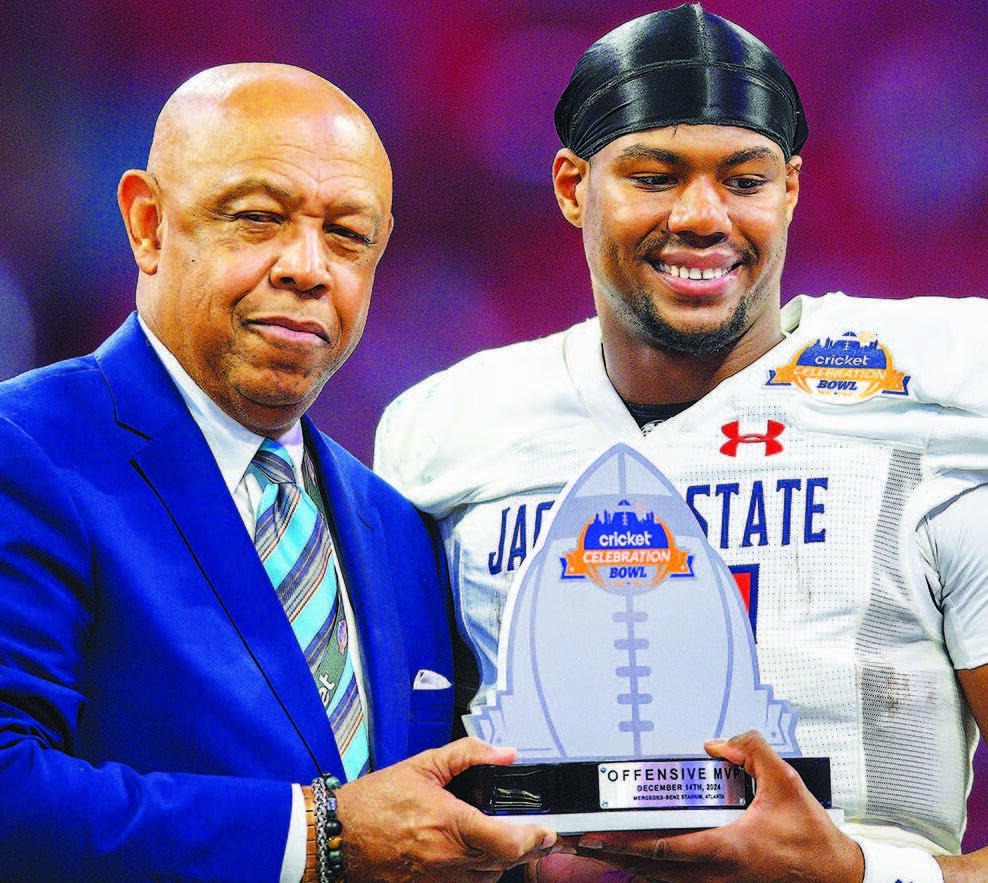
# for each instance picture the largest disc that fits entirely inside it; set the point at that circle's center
(701, 277)
(694, 272)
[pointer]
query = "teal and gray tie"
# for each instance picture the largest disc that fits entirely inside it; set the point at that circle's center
(296, 549)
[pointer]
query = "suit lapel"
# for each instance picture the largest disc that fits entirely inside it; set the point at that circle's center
(178, 465)
(367, 569)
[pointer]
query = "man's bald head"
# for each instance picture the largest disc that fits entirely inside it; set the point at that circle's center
(216, 102)
(257, 227)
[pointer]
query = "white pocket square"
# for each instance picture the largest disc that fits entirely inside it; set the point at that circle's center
(430, 680)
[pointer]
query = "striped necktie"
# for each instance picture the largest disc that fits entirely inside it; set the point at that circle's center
(296, 549)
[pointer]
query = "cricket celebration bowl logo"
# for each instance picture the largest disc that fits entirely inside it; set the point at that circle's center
(853, 368)
(627, 549)
(624, 634)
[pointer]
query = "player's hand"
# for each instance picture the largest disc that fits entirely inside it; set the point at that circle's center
(399, 824)
(565, 868)
(784, 835)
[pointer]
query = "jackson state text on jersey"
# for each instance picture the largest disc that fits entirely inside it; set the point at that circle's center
(733, 514)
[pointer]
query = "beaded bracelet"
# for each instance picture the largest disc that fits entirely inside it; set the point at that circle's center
(329, 831)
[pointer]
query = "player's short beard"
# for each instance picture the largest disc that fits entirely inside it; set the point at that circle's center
(661, 335)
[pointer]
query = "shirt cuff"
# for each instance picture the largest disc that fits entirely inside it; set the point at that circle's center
(293, 864)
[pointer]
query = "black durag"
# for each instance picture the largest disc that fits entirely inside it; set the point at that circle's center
(678, 66)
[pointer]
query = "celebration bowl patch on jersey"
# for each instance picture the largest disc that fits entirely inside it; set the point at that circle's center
(627, 549)
(853, 368)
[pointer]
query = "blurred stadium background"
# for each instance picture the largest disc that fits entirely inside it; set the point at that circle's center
(894, 197)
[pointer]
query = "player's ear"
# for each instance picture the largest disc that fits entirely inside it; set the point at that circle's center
(569, 174)
(793, 168)
(139, 199)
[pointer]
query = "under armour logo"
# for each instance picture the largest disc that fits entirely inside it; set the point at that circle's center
(769, 439)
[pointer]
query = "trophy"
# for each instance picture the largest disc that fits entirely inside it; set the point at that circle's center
(625, 645)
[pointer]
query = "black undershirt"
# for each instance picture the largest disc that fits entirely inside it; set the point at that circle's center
(646, 415)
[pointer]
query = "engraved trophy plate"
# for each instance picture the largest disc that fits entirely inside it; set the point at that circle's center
(625, 645)
(672, 784)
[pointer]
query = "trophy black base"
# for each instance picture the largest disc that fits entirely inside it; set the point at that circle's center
(625, 795)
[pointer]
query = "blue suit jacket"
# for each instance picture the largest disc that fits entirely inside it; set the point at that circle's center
(154, 702)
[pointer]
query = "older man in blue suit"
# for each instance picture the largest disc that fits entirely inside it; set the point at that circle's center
(161, 717)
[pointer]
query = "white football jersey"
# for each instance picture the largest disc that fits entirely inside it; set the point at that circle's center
(837, 477)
